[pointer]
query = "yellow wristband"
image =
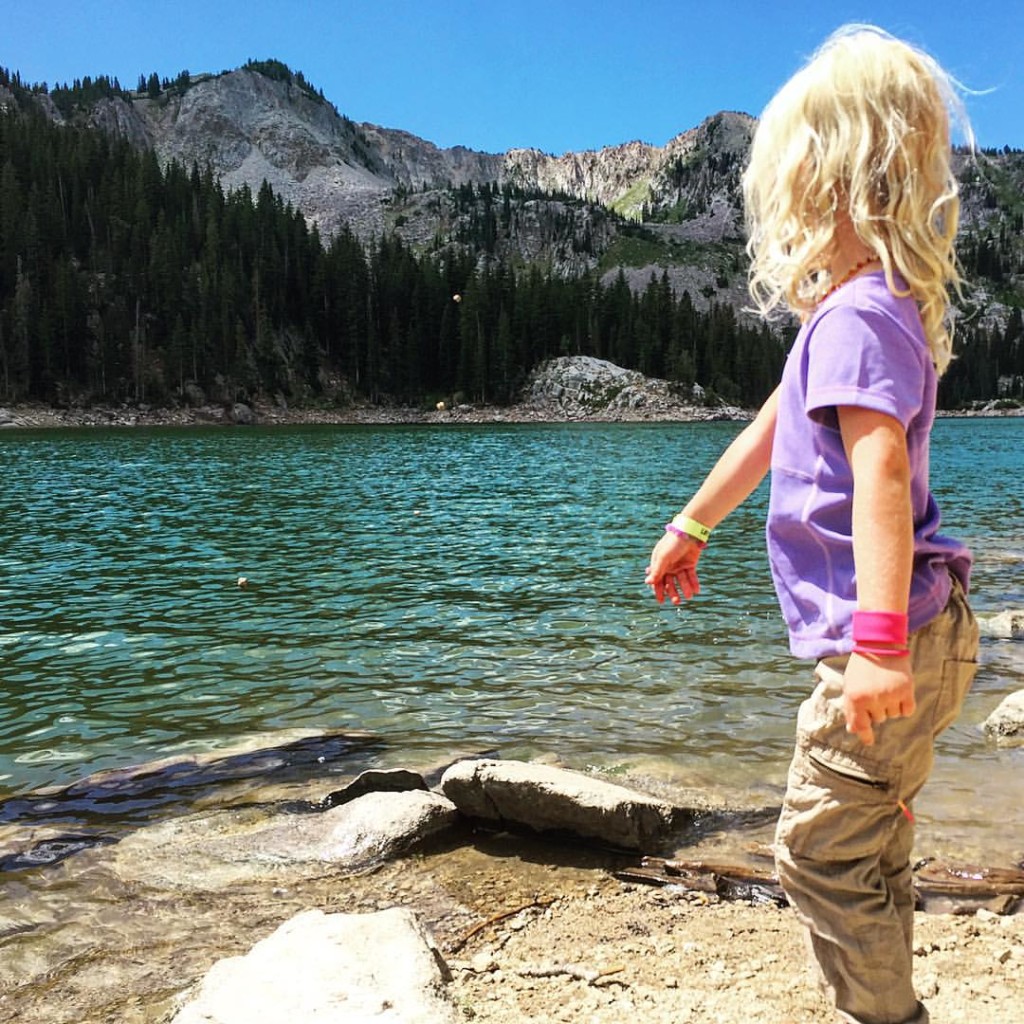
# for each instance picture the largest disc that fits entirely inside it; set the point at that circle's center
(690, 526)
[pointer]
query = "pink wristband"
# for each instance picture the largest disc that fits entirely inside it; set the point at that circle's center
(672, 528)
(880, 628)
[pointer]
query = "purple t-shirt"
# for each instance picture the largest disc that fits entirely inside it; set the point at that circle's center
(862, 347)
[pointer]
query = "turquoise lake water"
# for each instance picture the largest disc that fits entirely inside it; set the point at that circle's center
(445, 588)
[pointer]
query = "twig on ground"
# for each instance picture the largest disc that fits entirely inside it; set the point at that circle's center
(589, 975)
(541, 901)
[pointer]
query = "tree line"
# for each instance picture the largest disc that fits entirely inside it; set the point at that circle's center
(125, 281)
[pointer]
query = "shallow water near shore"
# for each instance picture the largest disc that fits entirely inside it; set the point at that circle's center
(441, 588)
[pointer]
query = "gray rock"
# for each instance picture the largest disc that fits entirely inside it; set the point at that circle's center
(331, 968)
(209, 852)
(375, 826)
(545, 798)
(242, 414)
(585, 387)
(1007, 625)
(193, 394)
(1007, 721)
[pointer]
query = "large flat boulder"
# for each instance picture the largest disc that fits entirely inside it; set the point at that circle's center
(331, 968)
(544, 798)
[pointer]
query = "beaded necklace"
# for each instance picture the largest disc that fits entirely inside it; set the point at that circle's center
(849, 276)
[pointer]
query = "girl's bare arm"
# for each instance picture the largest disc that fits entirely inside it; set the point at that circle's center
(735, 476)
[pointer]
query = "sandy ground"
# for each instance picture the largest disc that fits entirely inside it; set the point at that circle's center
(613, 952)
(607, 951)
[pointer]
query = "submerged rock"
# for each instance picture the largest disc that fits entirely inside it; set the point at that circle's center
(139, 793)
(208, 852)
(332, 968)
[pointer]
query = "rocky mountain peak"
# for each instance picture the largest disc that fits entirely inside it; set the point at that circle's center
(252, 126)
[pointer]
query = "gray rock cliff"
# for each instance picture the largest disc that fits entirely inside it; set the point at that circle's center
(250, 128)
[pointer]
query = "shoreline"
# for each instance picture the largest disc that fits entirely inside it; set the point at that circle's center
(105, 937)
(529, 928)
(262, 414)
(34, 417)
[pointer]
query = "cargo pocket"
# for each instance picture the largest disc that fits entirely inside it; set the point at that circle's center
(957, 677)
(838, 804)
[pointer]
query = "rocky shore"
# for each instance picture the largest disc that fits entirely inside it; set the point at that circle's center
(32, 417)
(485, 890)
(564, 390)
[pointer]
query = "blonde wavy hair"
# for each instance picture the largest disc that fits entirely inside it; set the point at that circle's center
(861, 131)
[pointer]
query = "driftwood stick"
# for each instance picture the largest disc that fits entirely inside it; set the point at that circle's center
(964, 885)
(969, 880)
(541, 901)
(702, 867)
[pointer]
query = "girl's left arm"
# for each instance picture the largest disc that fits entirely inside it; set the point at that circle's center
(877, 687)
(672, 570)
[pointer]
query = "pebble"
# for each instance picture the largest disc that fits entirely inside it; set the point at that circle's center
(482, 963)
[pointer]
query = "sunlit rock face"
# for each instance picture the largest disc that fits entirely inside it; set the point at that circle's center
(249, 128)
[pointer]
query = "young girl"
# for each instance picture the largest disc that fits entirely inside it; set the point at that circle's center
(852, 210)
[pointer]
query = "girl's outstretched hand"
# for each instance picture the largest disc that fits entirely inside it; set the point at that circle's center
(673, 568)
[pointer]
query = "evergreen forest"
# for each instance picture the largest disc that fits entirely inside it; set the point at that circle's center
(124, 281)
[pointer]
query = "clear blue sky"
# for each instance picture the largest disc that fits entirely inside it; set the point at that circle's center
(493, 74)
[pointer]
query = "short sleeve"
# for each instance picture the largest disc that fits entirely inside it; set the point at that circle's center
(864, 358)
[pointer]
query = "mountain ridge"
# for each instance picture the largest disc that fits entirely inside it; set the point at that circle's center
(249, 127)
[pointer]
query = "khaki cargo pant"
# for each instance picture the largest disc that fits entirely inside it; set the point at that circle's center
(843, 845)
